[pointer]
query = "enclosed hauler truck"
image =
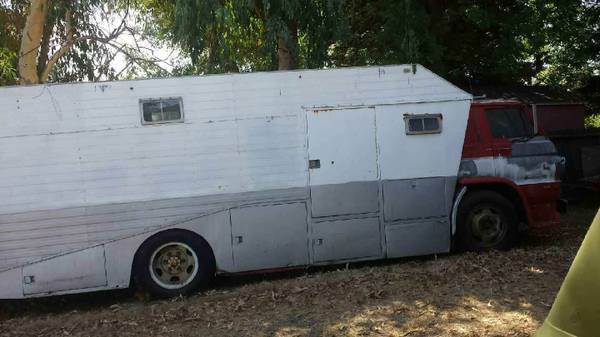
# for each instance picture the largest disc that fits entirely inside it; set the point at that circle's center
(165, 183)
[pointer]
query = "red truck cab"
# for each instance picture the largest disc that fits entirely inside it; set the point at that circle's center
(508, 177)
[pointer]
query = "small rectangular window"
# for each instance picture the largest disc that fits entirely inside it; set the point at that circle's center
(162, 110)
(423, 124)
(509, 123)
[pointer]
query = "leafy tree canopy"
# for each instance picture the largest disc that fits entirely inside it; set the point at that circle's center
(233, 35)
(551, 42)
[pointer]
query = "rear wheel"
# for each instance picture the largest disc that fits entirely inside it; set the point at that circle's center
(486, 221)
(174, 263)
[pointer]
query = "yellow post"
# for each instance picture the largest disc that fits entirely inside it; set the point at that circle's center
(576, 310)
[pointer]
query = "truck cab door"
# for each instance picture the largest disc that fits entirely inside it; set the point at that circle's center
(499, 128)
(505, 124)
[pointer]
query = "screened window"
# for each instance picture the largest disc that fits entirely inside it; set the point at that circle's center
(164, 110)
(423, 124)
(509, 123)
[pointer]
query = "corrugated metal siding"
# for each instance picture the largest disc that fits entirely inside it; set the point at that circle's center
(83, 145)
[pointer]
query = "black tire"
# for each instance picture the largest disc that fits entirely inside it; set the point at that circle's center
(486, 220)
(182, 246)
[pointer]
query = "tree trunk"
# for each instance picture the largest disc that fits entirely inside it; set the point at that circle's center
(31, 40)
(44, 47)
(66, 46)
(287, 47)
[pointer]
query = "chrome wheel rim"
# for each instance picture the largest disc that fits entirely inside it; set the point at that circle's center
(487, 226)
(173, 265)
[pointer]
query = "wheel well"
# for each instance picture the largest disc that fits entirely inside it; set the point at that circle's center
(506, 191)
(186, 232)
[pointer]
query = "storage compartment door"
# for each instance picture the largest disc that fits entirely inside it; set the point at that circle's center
(415, 199)
(417, 238)
(346, 240)
(80, 270)
(343, 162)
(272, 236)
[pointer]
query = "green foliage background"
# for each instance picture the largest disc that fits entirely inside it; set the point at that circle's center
(593, 121)
(553, 42)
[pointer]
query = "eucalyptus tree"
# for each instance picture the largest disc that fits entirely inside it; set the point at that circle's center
(62, 38)
(552, 42)
(234, 35)
(73, 40)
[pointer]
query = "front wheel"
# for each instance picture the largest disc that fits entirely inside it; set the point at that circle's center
(174, 263)
(486, 221)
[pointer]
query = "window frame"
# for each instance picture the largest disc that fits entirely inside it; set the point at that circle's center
(179, 99)
(422, 117)
(525, 122)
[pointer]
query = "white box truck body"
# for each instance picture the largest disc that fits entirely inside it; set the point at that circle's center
(268, 170)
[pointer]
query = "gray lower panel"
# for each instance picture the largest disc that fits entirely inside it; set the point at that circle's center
(272, 236)
(346, 239)
(414, 198)
(349, 198)
(84, 269)
(418, 238)
(30, 236)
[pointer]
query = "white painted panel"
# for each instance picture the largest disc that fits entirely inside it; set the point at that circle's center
(403, 156)
(344, 143)
(155, 162)
(84, 269)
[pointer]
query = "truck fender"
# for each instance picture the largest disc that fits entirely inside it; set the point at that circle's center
(459, 197)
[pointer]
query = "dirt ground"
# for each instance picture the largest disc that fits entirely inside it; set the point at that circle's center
(465, 294)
